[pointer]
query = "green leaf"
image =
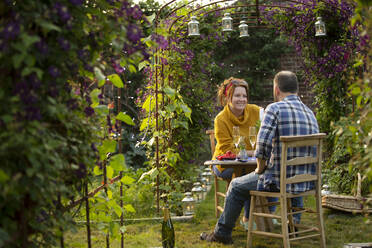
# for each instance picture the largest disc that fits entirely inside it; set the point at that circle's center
(186, 110)
(28, 40)
(117, 162)
(132, 68)
(170, 92)
(109, 172)
(17, 60)
(101, 109)
(3, 176)
(127, 180)
(28, 70)
(97, 171)
(94, 96)
(125, 118)
(355, 91)
(109, 194)
(129, 208)
(99, 75)
(144, 124)
(148, 104)
(30, 60)
(48, 25)
(142, 65)
(359, 100)
(116, 80)
(106, 147)
(117, 210)
(123, 229)
(150, 18)
(152, 173)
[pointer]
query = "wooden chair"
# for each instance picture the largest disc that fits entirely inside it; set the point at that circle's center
(262, 204)
(218, 195)
(297, 231)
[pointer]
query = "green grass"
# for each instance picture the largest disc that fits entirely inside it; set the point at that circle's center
(340, 228)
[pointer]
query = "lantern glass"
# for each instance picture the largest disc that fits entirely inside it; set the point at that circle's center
(188, 204)
(193, 26)
(227, 23)
(197, 192)
(243, 28)
(208, 174)
(204, 186)
(320, 29)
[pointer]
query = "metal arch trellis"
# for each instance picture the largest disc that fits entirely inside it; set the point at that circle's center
(158, 65)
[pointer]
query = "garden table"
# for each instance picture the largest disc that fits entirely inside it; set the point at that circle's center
(238, 166)
(249, 166)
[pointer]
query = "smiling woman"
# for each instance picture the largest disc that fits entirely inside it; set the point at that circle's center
(233, 95)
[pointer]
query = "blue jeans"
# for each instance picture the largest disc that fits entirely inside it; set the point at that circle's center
(236, 196)
(226, 174)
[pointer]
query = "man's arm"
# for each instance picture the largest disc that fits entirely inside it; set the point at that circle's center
(261, 166)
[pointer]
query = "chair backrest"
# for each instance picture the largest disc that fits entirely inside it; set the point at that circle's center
(307, 144)
(210, 132)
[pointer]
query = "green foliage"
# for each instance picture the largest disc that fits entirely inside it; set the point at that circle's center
(53, 54)
(337, 173)
(360, 124)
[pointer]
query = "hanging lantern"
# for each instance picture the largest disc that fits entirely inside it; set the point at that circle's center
(188, 204)
(320, 29)
(325, 190)
(197, 192)
(243, 28)
(209, 175)
(227, 23)
(193, 27)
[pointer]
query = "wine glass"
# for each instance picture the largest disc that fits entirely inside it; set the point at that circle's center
(236, 138)
(252, 136)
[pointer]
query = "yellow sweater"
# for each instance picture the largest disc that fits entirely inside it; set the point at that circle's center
(223, 124)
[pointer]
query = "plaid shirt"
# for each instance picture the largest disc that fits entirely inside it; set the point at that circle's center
(285, 118)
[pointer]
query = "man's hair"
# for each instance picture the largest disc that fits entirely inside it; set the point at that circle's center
(286, 81)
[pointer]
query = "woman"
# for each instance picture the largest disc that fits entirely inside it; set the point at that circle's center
(233, 95)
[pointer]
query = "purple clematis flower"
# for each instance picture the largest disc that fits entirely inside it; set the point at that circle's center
(54, 71)
(135, 12)
(134, 34)
(64, 44)
(62, 12)
(10, 31)
(89, 111)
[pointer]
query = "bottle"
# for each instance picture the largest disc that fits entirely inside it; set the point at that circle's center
(167, 230)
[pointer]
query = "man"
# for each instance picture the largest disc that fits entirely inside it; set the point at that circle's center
(286, 117)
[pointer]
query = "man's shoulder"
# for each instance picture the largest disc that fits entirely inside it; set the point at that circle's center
(273, 106)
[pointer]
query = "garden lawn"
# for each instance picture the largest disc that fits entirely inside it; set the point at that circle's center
(340, 228)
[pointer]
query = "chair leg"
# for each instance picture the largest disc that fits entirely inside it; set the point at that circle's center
(320, 220)
(290, 217)
(250, 221)
(283, 209)
(216, 198)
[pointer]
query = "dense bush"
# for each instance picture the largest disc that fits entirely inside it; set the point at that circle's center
(52, 55)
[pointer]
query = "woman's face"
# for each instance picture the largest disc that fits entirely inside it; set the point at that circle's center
(239, 99)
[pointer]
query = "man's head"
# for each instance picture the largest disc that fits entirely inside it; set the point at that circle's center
(285, 83)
